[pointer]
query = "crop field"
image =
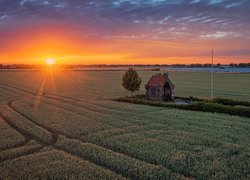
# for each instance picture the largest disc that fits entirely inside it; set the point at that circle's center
(65, 124)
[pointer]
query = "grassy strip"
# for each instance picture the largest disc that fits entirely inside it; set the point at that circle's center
(18, 152)
(198, 106)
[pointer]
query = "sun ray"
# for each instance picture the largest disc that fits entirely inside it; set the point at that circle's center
(40, 91)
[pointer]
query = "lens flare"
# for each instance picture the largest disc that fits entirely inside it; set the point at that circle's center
(50, 61)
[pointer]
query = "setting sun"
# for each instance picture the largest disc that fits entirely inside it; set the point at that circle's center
(50, 61)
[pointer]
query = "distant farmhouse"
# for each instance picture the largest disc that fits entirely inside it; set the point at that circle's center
(159, 87)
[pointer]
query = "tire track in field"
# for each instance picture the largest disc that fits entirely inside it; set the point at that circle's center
(15, 87)
(85, 107)
(73, 138)
(35, 93)
(97, 164)
(65, 101)
(7, 99)
(10, 104)
(54, 135)
(90, 110)
(13, 126)
(114, 149)
(47, 95)
(25, 134)
(50, 130)
(29, 93)
(23, 143)
(100, 115)
(78, 105)
(28, 137)
(40, 151)
(30, 96)
(82, 159)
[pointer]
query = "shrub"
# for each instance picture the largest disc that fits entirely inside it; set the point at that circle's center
(189, 98)
(230, 102)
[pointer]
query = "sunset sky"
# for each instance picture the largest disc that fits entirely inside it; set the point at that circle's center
(124, 31)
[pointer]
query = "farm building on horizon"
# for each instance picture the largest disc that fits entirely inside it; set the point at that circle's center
(159, 87)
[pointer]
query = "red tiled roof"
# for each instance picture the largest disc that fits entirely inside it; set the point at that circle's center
(156, 81)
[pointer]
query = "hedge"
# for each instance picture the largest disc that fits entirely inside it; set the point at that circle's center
(198, 106)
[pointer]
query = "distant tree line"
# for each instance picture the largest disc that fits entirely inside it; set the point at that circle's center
(240, 65)
(19, 66)
(195, 65)
(29, 66)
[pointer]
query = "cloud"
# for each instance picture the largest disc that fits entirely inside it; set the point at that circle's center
(113, 16)
(133, 20)
(3, 17)
(39, 2)
(219, 35)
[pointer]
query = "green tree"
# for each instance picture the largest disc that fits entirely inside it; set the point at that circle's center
(131, 80)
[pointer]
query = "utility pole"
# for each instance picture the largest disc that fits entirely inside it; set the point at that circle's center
(212, 76)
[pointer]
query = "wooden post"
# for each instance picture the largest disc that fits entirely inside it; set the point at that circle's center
(212, 76)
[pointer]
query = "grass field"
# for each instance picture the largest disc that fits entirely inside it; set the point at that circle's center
(66, 125)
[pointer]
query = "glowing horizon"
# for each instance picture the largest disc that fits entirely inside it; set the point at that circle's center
(124, 32)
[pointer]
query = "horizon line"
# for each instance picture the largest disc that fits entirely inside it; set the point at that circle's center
(139, 64)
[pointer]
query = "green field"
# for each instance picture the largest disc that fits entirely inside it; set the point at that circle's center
(66, 125)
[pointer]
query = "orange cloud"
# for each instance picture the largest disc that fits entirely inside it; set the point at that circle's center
(35, 44)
